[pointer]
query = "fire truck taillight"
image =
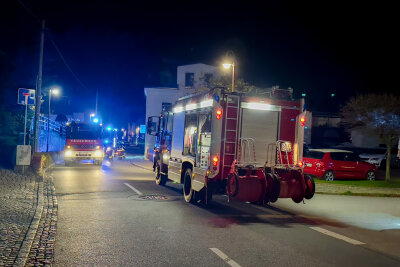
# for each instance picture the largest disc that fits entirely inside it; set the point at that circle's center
(215, 161)
(302, 121)
(219, 114)
(300, 164)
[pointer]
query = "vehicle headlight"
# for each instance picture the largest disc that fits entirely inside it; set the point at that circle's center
(108, 148)
(97, 153)
(68, 153)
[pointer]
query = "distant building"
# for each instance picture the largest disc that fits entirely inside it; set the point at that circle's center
(189, 79)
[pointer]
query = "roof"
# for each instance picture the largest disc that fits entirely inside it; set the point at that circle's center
(194, 64)
(330, 150)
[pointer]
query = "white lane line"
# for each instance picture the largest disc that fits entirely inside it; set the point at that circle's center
(224, 257)
(338, 236)
(134, 189)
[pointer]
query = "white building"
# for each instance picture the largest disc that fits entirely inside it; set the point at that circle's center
(189, 79)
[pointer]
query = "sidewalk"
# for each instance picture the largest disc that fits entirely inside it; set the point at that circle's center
(18, 201)
(335, 189)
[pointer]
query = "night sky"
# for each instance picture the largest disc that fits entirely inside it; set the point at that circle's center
(119, 48)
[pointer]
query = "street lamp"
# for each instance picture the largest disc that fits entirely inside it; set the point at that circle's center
(231, 65)
(56, 92)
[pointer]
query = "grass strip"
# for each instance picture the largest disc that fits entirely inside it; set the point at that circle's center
(363, 183)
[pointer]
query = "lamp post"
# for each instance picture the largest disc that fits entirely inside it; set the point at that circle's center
(231, 65)
(54, 91)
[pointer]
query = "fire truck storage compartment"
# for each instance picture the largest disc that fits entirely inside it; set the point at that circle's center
(263, 127)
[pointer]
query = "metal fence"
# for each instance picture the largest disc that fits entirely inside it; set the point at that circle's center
(51, 133)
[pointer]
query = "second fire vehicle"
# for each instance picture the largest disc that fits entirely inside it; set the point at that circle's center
(247, 147)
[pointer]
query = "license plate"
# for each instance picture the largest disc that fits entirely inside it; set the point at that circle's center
(308, 165)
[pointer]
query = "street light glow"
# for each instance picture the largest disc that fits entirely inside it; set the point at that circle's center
(55, 91)
(227, 65)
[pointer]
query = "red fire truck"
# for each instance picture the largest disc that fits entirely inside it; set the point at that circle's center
(83, 142)
(247, 147)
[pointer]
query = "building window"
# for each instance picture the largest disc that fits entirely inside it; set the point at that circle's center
(189, 79)
(207, 79)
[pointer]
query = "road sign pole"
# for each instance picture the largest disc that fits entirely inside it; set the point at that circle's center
(26, 114)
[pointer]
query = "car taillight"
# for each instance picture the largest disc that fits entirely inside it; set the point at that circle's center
(219, 114)
(300, 164)
(215, 161)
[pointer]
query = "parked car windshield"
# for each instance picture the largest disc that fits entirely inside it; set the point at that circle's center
(313, 154)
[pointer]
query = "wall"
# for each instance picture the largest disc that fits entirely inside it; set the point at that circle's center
(154, 99)
(158, 95)
(56, 141)
(199, 70)
(362, 139)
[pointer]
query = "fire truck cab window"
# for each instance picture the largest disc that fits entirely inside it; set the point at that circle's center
(190, 141)
(203, 154)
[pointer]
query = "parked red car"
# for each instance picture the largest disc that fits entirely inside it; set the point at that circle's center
(330, 164)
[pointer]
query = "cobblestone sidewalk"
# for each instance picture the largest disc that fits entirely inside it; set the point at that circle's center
(42, 250)
(18, 201)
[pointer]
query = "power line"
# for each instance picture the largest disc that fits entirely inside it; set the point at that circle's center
(66, 64)
(54, 44)
(29, 11)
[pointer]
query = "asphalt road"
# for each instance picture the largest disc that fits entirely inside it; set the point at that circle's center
(115, 215)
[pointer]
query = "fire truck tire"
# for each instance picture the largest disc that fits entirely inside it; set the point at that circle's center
(232, 185)
(270, 181)
(161, 179)
(310, 186)
(276, 189)
(188, 191)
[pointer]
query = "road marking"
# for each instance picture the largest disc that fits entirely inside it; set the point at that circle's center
(134, 189)
(338, 236)
(224, 257)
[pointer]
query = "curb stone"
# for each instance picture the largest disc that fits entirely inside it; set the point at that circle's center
(23, 253)
(139, 166)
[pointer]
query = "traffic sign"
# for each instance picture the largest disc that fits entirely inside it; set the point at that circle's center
(26, 96)
(23, 155)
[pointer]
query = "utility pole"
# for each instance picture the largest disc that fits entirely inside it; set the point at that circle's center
(39, 88)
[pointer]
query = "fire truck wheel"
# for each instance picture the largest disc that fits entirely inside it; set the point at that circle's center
(187, 186)
(270, 181)
(161, 179)
(310, 186)
(276, 189)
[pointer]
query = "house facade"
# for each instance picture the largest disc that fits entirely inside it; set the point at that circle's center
(190, 78)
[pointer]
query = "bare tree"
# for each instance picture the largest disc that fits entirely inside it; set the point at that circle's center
(376, 114)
